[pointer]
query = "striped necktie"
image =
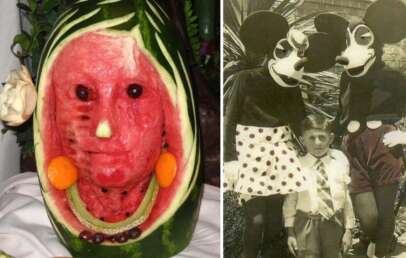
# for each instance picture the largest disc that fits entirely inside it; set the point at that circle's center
(326, 208)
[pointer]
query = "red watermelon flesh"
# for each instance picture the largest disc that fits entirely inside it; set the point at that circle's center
(114, 171)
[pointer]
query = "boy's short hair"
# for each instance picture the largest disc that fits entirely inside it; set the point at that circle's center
(316, 121)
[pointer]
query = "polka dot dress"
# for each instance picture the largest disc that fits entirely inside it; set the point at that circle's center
(268, 162)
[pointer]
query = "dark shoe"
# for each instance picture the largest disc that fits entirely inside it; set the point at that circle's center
(361, 247)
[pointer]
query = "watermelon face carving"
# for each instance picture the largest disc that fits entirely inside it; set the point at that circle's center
(93, 79)
(113, 97)
(101, 81)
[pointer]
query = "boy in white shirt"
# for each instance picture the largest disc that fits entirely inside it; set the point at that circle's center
(319, 220)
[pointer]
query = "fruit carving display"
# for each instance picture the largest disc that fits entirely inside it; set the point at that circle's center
(116, 133)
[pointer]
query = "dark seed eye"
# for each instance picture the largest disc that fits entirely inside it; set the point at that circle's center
(134, 90)
(82, 92)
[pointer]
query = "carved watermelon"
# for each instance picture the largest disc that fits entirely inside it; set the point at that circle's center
(114, 95)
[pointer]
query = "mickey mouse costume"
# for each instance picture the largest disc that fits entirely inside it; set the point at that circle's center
(372, 98)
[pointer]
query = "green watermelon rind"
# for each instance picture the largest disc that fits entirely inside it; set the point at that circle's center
(166, 241)
(147, 31)
(138, 217)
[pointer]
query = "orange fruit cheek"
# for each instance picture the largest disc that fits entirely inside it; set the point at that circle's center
(165, 169)
(62, 173)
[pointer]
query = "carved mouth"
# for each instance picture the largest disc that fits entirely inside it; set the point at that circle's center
(106, 153)
(361, 70)
(287, 80)
(356, 71)
(109, 169)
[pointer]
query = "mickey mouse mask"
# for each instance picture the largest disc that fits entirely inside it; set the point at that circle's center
(360, 41)
(291, 53)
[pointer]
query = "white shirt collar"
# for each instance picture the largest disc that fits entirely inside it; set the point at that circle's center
(311, 160)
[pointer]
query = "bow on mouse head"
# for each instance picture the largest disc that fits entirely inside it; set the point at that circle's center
(360, 41)
(290, 52)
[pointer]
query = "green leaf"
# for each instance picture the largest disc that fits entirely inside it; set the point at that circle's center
(44, 27)
(192, 29)
(24, 7)
(34, 43)
(24, 40)
(33, 5)
(193, 19)
(48, 5)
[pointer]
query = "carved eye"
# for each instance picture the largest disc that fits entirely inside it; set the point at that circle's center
(364, 36)
(134, 90)
(282, 49)
(82, 92)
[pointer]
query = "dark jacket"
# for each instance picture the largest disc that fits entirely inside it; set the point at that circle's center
(379, 95)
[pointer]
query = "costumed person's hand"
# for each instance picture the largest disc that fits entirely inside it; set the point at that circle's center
(292, 244)
(230, 175)
(394, 138)
(347, 241)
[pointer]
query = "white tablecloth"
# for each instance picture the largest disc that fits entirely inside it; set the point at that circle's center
(25, 231)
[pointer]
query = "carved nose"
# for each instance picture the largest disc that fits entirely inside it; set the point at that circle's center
(342, 60)
(103, 129)
(300, 64)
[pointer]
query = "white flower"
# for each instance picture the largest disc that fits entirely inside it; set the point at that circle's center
(17, 98)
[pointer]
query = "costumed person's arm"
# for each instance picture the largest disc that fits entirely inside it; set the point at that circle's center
(349, 217)
(342, 116)
(397, 137)
(289, 213)
(289, 209)
(296, 112)
(232, 112)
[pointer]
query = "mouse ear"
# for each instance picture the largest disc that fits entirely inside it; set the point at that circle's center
(321, 53)
(387, 19)
(262, 30)
(334, 25)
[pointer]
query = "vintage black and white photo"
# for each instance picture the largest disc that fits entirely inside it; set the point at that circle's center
(314, 127)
